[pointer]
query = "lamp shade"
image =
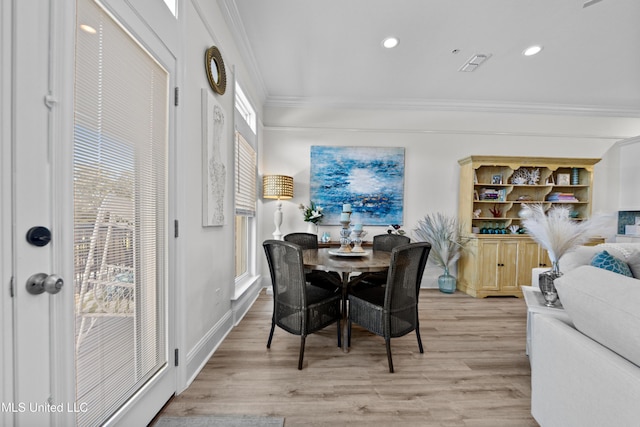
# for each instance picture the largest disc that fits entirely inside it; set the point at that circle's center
(277, 187)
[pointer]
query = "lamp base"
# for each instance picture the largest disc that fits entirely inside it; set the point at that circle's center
(277, 220)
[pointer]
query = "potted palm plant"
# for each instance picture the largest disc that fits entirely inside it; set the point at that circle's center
(447, 238)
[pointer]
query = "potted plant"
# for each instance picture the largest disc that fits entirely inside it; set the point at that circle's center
(448, 240)
(312, 215)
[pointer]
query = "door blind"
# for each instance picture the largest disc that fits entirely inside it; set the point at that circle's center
(120, 224)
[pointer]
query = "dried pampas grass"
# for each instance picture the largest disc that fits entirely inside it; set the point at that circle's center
(557, 232)
(446, 236)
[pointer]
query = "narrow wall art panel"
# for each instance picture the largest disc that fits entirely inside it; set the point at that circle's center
(213, 169)
(371, 179)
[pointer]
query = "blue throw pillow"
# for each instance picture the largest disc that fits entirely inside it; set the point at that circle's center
(608, 262)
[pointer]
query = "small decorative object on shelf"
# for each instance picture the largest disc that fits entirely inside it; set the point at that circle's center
(326, 237)
(525, 176)
(495, 211)
(563, 179)
(575, 176)
(520, 177)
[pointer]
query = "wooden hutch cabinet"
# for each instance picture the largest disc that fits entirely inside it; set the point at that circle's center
(493, 189)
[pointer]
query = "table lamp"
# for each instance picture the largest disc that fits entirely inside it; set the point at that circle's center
(277, 187)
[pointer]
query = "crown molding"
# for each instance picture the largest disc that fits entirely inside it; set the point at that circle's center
(231, 16)
(540, 134)
(451, 105)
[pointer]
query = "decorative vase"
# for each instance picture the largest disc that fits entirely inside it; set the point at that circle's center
(548, 289)
(447, 282)
(575, 176)
(312, 228)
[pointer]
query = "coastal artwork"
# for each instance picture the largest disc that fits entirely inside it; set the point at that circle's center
(371, 179)
(214, 171)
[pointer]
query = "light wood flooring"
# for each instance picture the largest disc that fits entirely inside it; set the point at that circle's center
(474, 371)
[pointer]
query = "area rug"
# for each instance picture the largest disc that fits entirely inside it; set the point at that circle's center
(220, 421)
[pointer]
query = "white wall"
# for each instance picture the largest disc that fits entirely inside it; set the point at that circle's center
(206, 253)
(433, 142)
(629, 159)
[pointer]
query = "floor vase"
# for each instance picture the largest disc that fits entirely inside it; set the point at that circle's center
(447, 282)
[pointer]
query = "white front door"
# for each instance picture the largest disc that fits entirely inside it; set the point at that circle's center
(53, 370)
(37, 140)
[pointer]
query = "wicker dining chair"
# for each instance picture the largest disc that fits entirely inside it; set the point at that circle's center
(381, 242)
(298, 308)
(392, 311)
(323, 279)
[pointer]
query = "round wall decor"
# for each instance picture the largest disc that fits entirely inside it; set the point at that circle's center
(215, 70)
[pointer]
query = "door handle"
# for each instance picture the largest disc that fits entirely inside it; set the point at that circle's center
(40, 282)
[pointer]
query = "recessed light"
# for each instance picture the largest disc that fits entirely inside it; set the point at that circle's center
(532, 50)
(390, 42)
(88, 29)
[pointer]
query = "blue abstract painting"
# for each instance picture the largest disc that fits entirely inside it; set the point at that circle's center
(371, 179)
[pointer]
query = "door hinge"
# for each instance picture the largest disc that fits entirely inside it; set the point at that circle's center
(176, 95)
(176, 228)
(175, 357)
(11, 287)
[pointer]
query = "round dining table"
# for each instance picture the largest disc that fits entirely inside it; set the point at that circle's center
(330, 259)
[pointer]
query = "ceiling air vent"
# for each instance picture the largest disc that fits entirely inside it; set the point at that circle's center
(473, 63)
(588, 3)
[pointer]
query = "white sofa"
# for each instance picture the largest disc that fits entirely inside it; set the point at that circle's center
(589, 374)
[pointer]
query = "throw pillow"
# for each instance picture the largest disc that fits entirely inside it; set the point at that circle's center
(607, 314)
(607, 261)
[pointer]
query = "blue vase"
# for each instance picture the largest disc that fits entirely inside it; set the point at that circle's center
(447, 282)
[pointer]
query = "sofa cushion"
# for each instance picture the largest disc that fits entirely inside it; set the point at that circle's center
(608, 262)
(579, 256)
(604, 306)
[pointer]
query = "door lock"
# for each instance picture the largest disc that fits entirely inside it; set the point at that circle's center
(39, 236)
(40, 282)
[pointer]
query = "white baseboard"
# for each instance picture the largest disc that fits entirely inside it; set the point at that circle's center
(202, 352)
(204, 349)
(242, 303)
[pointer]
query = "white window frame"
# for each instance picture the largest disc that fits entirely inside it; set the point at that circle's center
(245, 124)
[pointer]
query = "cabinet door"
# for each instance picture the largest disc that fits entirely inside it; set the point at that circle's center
(488, 268)
(528, 258)
(508, 266)
(544, 260)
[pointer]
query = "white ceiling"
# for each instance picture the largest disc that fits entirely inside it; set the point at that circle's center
(329, 52)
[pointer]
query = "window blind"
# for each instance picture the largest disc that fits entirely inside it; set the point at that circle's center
(245, 177)
(120, 214)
